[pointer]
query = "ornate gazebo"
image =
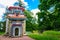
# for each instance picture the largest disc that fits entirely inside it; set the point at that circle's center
(15, 21)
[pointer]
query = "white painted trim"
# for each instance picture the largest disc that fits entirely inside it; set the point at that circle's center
(20, 30)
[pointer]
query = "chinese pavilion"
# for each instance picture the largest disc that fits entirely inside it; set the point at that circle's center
(15, 22)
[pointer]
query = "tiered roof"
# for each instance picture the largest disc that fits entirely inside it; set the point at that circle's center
(14, 7)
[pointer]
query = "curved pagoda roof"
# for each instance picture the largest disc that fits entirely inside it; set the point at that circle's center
(15, 7)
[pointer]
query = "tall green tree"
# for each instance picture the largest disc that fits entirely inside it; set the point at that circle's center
(30, 24)
(49, 17)
(29, 17)
(30, 21)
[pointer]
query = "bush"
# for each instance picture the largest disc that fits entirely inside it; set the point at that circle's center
(1, 33)
(52, 33)
(47, 35)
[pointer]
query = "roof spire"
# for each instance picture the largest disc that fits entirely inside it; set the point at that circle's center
(21, 4)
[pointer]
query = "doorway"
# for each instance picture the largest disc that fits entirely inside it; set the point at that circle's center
(16, 31)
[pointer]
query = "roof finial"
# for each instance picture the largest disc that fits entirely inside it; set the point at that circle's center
(21, 3)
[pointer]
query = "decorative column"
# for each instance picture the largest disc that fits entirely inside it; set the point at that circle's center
(7, 25)
(24, 27)
(10, 25)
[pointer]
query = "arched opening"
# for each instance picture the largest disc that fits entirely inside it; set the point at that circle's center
(16, 31)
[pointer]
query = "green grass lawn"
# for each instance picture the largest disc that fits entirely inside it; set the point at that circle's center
(1, 33)
(47, 35)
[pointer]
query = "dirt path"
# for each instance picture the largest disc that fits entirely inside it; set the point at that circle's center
(20, 38)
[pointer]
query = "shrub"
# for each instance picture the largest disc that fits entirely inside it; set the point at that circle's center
(52, 33)
(47, 35)
(1, 33)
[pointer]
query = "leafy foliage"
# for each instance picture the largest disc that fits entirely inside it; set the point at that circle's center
(51, 20)
(30, 26)
(2, 26)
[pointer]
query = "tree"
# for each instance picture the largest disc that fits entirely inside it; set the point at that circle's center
(30, 24)
(2, 26)
(50, 14)
(28, 20)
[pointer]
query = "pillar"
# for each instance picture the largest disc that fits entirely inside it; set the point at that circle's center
(7, 25)
(24, 27)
